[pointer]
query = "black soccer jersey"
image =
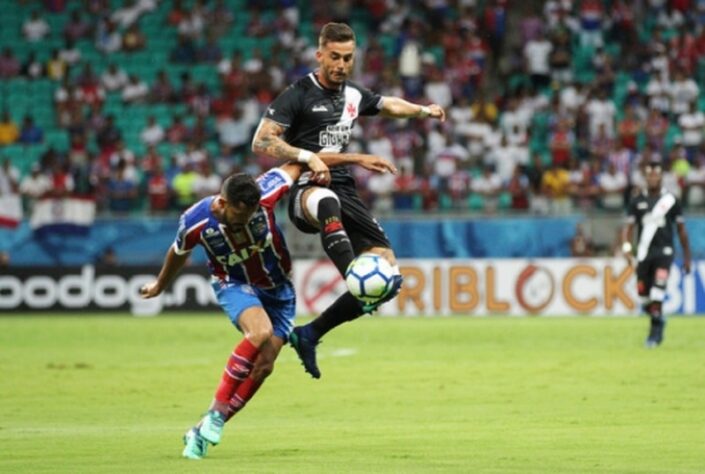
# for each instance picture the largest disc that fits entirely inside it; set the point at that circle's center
(655, 217)
(320, 119)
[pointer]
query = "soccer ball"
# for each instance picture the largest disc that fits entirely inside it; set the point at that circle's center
(369, 277)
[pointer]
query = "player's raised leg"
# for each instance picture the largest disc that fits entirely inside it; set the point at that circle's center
(321, 208)
(346, 308)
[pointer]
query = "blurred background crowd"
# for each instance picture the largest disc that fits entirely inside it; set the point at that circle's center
(146, 105)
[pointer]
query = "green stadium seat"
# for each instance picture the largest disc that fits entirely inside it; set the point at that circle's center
(476, 202)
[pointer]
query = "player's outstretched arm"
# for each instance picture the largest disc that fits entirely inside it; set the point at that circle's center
(371, 162)
(396, 107)
(173, 262)
(268, 141)
(685, 243)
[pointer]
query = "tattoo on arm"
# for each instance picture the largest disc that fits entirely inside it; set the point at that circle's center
(268, 142)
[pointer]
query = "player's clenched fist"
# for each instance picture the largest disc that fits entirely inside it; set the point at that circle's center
(150, 290)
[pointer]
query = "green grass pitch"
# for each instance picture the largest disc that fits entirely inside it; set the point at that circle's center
(404, 395)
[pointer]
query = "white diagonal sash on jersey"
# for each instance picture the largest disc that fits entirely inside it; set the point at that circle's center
(350, 112)
(651, 222)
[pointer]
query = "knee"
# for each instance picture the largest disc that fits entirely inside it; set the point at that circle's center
(385, 252)
(260, 335)
(320, 197)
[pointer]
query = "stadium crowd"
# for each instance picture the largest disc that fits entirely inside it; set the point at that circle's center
(552, 105)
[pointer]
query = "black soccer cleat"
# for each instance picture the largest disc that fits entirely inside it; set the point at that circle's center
(656, 332)
(305, 346)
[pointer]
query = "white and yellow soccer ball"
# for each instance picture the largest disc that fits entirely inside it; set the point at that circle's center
(369, 277)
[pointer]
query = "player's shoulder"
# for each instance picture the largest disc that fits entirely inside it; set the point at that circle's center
(198, 212)
(301, 86)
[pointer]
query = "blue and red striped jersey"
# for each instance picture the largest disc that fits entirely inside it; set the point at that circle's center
(256, 254)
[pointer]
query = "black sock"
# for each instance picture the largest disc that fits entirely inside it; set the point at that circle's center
(345, 308)
(333, 236)
(655, 311)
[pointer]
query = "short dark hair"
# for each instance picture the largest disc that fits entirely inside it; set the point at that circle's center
(335, 33)
(241, 187)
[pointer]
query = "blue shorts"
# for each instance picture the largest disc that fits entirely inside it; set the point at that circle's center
(279, 303)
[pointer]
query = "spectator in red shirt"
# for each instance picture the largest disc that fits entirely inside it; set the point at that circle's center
(629, 129)
(159, 191)
(561, 143)
(9, 65)
(177, 131)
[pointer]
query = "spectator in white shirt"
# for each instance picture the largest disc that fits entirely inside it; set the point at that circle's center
(505, 158)
(379, 144)
(437, 89)
(9, 178)
(114, 78)
(153, 133)
(192, 25)
(613, 183)
(692, 124)
(515, 123)
(536, 54)
(659, 95)
(108, 39)
(450, 157)
(233, 131)
(136, 91)
(127, 15)
(70, 53)
(233, 63)
(35, 28)
(460, 113)
(489, 186)
(34, 186)
(572, 97)
(206, 183)
(601, 111)
(381, 187)
(683, 91)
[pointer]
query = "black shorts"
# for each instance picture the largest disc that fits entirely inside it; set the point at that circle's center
(363, 229)
(652, 272)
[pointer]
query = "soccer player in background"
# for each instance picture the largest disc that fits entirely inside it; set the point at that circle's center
(310, 119)
(655, 212)
(250, 267)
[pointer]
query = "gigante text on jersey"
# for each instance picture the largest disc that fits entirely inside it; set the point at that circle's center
(335, 135)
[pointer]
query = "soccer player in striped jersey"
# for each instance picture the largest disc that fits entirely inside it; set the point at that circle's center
(655, 212)
(250, 267)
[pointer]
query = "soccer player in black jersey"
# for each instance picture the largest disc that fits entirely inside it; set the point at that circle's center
(311, 122)
(654, 212)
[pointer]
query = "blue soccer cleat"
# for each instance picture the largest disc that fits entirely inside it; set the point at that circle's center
(305, 344)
